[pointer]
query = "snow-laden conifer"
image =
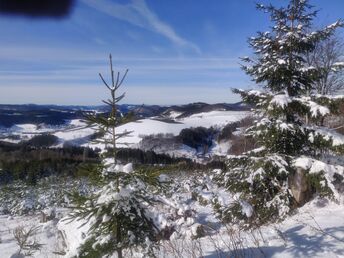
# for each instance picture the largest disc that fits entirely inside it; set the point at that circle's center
(290, 114)
(120, 217)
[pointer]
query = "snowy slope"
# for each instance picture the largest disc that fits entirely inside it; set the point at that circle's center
(27, 131)
(151, 126)
(22, 132)
(76, 136)
(76, 132)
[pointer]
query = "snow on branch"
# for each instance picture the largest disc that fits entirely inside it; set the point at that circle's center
(281, 100)
(314, 166)
(328, 135)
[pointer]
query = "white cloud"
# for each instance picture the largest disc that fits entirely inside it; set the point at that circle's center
(138, 13)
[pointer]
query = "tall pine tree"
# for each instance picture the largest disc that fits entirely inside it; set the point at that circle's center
(288, 131)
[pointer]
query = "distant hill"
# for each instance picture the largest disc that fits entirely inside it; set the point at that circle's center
(58, 115)
(200, 107)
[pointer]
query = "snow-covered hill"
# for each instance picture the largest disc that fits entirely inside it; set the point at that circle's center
(151, 126)
(76, 132)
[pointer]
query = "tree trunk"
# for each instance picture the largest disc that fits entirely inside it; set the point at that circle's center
(300, 187)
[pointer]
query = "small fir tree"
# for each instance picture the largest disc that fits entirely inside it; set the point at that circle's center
(289, 114)
(121, 215)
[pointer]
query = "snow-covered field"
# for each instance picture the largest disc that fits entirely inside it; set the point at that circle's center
(77, 133)
(74, 129)
(151, 126)
(23, 132)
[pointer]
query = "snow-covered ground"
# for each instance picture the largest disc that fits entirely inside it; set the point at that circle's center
(45, 233)
(20, 132)
(315, 230)
(73, 130)
(77, 132)
(151, 126)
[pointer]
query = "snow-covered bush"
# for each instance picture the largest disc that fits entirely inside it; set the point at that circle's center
(19, 198)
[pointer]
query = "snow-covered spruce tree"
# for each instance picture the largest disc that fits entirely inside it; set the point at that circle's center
(287, 164)
(120, 216)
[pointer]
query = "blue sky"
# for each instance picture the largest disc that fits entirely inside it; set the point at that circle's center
(177, 51)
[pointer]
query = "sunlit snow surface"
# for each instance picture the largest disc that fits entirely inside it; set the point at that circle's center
(316, 230)
(151, 126)
(76, 132)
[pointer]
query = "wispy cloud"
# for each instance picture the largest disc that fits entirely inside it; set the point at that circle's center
(138, 13)
(74, 58)
(150, 80)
